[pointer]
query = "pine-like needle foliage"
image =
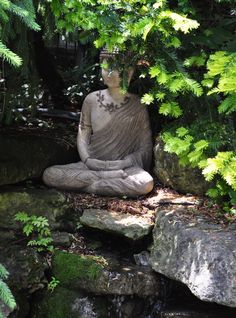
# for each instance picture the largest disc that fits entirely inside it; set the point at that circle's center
(5, 293)
(25, 12)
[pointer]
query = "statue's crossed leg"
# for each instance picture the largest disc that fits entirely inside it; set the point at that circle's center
(77, 176)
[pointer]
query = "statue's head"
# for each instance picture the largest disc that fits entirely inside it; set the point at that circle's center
(113, 68)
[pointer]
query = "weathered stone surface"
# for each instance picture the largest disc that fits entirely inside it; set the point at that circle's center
(131, 226)
(49, 203)
(25, 266)
(24, 156)
(198, 253)
(172, 174)
(104, 275)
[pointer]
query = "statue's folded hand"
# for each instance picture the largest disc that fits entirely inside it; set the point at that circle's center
(107, 165)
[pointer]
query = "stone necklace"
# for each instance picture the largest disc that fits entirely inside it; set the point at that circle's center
(110, 107)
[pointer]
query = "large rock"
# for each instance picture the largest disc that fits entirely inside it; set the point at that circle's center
(104, 275)
(198, 253)
(172, 174)
(131, 226)
(26, 156)
(49, 203)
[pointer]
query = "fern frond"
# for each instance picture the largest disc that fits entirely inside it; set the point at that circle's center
(9, 56)
(217, 164)
(193, 86)
(217, 62)
(170, 109)
(180, 22)
(3, 15)
(6, 295)
(3, 272)
(198, 61)
(4, 4)
(22, 11)
(147, 99)
(228, 105)
(176, 85)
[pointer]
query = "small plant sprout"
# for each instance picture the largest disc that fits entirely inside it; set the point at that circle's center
(53, 284)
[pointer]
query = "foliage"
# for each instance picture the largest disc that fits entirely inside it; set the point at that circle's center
(53, 284)
(22, 10)
(36, 227)
(141, 30)
(5, 294)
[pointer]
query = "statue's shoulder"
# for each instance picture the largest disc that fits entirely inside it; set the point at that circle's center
(92, 97)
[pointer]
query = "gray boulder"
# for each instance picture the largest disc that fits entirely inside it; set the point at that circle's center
(24, 156)
(198, 253)
(172, 174)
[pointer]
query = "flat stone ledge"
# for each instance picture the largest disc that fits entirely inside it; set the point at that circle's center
(131, 226)
(199, 253)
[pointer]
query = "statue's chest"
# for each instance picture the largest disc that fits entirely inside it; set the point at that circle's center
(99, 119)
(105, 110)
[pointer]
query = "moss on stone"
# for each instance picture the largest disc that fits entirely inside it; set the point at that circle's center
(57, 304)
(67, 267)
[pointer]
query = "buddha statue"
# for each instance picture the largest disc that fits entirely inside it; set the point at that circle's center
(114, 144)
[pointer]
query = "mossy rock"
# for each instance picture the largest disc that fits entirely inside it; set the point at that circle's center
(67, 267)
(104, 275)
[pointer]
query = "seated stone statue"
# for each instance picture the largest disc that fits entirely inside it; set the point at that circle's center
(114, 144)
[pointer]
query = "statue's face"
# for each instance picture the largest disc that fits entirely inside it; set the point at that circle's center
(111, 77)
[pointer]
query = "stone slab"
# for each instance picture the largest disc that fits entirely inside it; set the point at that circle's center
(131, 226)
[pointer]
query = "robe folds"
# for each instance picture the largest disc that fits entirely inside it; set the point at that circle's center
(127, 134)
